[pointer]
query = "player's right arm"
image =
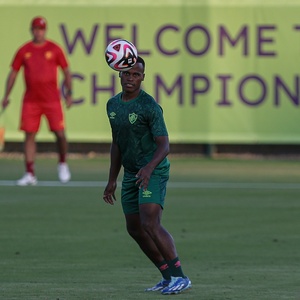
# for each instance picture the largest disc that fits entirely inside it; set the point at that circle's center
(115, 167)
(11, 78)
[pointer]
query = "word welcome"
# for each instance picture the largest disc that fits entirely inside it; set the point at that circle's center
(186, 39)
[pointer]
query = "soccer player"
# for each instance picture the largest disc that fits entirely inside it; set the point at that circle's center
(40, 59)
(140, 144)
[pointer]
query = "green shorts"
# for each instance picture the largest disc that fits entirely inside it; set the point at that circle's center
(132, 196)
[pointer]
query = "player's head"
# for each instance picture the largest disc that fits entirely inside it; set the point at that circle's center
(141, 61)
(39, 22)
(38, 29)
(131, 80)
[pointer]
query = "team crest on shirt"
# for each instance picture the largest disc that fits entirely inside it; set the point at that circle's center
(132, 118)
(48, 54)
(27, 55)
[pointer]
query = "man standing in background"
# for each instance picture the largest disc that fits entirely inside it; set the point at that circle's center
(40, 59)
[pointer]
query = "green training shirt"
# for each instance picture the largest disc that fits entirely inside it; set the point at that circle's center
(134, 125)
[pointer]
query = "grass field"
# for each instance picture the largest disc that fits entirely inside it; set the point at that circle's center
(236, 224)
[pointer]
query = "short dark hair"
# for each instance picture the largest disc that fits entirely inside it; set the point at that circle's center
(140, 60)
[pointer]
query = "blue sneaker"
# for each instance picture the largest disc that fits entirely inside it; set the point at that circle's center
(159, 286)
(177, 285)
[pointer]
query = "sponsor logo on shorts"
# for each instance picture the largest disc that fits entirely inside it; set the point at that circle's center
(147, 194)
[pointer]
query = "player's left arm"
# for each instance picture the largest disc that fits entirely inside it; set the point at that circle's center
(160, 153)
(68, 86)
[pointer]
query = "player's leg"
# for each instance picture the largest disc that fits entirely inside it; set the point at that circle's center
(29, 156)
(145, 242)
(147, 245)
(151, 208)
(30, 122)
(130, 205)
(55, 117)
(150, 215)
(62, 145)
(150, 218)
(62, 149)
(151, 203)
(30, 151)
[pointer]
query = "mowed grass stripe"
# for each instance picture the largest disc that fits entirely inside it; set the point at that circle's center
(196, 185)
(63, 242)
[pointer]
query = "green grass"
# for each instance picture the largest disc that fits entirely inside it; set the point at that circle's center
(234, 242)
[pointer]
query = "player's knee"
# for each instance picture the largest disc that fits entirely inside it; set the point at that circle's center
(60, 134)
(151, 227)
(136, 234)
(30, 136)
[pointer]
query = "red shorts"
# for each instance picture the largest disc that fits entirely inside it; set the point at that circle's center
(32, 113)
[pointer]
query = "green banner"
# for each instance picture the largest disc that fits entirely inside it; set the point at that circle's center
(223, 73)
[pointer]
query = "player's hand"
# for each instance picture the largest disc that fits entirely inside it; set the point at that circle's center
(109, 193)
(69, 101)
(5, 103)
(143, 176)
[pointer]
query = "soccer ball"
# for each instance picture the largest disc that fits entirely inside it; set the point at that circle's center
(121, 55)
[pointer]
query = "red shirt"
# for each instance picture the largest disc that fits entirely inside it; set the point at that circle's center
(40, 64)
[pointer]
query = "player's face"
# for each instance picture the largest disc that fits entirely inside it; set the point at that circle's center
(131, 80)
(38, 35)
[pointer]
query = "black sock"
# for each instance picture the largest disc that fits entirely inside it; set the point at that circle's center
(164, 269)
(175, 268)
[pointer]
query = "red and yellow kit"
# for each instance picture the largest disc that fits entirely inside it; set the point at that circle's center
(42, 96)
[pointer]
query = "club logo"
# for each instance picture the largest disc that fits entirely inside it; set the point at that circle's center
(132, 118)
(112, 115)
(48, 55)
(27, 55)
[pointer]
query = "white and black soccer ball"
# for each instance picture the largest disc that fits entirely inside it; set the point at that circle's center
(121, 55)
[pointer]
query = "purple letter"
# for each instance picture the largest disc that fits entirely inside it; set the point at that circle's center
(280, 84)
(196, 91)
(135, 42)
(178, 84)
(108, 29)
(159, 43)
(224, 101)
(224, 35)
(78, 36)
(206, 40)
(96, 89)
(75, 101)
(261, 82)
(261, 41)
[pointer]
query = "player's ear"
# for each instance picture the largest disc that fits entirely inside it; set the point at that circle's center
(143, 77)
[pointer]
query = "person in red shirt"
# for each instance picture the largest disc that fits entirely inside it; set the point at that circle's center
(40, 59)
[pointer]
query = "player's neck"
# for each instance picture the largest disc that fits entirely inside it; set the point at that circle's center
(127, 96)
(39, 42)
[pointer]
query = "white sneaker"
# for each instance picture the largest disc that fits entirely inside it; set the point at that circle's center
(27, 179)
(64, 174)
